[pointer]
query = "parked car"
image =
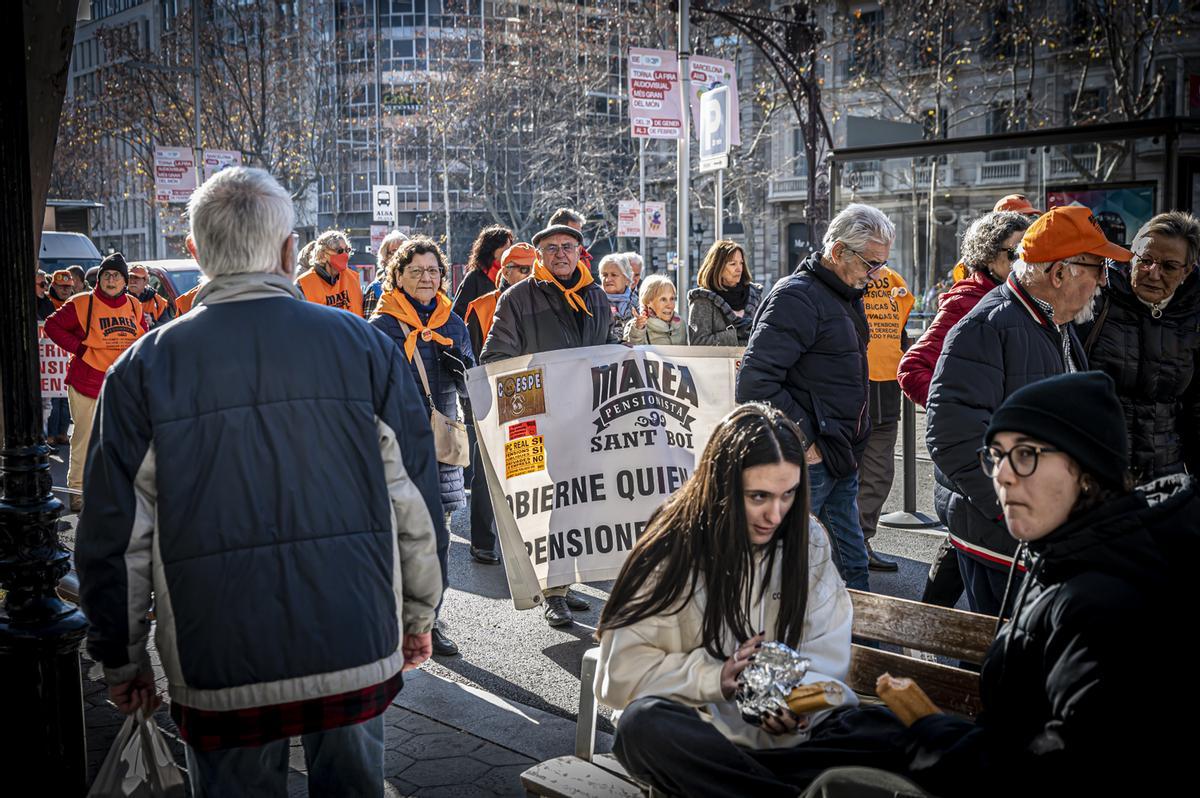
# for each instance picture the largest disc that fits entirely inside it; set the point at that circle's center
(171, 278)
(64, 250)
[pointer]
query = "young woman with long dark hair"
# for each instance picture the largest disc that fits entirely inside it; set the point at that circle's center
(732, 559)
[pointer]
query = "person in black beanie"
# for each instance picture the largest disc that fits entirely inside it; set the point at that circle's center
(1071, 687)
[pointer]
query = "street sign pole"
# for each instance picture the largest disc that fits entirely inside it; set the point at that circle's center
(714, 147)
(642, 199)
(718, 232)
(684, 166)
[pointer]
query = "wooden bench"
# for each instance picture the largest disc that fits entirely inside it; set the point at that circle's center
(958, 635)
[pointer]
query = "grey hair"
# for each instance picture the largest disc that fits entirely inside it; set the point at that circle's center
(618, 260)
(985, 238)
(652, 286)
(631, 256)
(390, 243)
(1176, 224)
(1030, 273)
(239, 220)
(856, 226)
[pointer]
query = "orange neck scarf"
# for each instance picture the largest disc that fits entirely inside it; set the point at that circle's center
(572, 294)
(396, 304)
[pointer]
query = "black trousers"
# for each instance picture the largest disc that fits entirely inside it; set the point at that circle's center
(483, 520)
(945, 583)
(669, 746)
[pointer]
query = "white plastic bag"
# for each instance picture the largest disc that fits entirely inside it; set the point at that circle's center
(139, 764)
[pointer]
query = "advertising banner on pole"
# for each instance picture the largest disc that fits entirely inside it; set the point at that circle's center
(629, 219)
(378, 233)
(174, 174)
(655, 97)
(581, 446)
(629, 225)
(216, 160)
(709, 73)
(53, 361)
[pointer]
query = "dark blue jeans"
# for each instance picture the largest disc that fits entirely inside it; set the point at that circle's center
(835, 503)
(985, 585)
(60, 417)
(346, 761)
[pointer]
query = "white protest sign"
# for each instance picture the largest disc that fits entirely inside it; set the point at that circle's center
(174, 174)
(53, 361)
(216, 160)
(655, 97)
(581, 446)
(709, 73)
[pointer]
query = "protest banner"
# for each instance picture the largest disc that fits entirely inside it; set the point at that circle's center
(174, 174)
(53, 361)
(581, 446)
(655, 97)
(656, 220)
(709, 73)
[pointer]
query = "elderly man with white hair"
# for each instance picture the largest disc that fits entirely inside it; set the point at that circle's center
(807, 355)
(286, 535)
(1019, 333)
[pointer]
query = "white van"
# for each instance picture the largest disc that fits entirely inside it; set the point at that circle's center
(64, 250)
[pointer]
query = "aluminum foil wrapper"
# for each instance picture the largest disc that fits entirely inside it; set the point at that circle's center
(766, 683)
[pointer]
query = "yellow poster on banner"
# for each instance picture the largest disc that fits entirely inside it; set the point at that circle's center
(524, 456)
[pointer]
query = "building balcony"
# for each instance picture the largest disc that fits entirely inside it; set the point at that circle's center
(1000, 173)
(1064, 167)
(862, 182)
(786, 189)
(902, 179)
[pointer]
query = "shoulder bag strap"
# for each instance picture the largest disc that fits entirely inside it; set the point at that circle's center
(87, 330)
(420, 361)
(1095, 333)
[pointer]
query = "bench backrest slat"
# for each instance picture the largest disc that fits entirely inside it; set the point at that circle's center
(925, 627)
(952, 689)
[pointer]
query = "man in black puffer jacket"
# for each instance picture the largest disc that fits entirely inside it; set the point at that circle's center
(1146, 336)
(1019, 333)
(807, 355)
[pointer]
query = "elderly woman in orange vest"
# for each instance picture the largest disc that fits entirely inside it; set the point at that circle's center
(331, 281)
(95, 327)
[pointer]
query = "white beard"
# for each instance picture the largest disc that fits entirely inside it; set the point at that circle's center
(1089, 310)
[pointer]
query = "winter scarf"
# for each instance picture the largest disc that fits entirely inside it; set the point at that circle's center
(396, 303)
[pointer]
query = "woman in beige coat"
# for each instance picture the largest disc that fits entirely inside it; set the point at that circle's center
(731, 560)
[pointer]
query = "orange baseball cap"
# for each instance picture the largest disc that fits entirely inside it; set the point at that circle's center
(63, 277)
(1066, 231)
(1016, 203)
(139, 269)
(520, 253)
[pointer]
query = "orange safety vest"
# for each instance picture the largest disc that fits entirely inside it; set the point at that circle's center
(888, 302)
(345, 294)
(154, 309)
(484, 307)
(110, 331)
(183, 303)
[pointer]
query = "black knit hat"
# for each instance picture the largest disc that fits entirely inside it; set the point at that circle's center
(1077, 413)
(114, 263)
(557, 229)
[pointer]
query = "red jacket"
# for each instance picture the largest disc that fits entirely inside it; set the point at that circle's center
(916, 367)
(65, 328)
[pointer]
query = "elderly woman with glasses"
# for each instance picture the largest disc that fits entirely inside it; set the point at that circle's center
(415, 312)
(330, 281)
(989, 248)
(1146, 336)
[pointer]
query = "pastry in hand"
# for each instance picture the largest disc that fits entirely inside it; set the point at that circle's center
(816, 696)
(904, 697)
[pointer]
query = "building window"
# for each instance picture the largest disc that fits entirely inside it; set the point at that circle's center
(866, 43)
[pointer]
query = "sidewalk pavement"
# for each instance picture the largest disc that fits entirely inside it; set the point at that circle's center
(442, 740)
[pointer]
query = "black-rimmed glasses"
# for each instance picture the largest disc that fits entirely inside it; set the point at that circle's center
(1023, 458)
